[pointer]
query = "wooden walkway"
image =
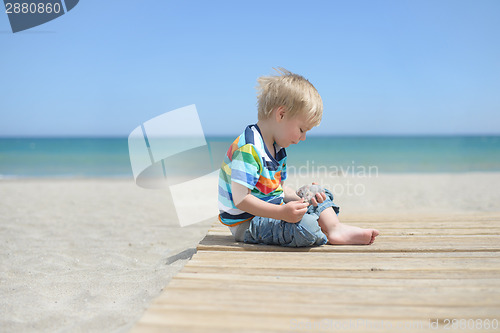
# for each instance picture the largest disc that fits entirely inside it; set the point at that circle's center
(419, 275)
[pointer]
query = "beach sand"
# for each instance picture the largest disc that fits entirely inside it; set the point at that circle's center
(90, 255)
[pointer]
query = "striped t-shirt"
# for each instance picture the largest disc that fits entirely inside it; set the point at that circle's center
(248, 162)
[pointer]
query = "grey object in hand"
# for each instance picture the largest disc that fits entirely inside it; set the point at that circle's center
(308, 192)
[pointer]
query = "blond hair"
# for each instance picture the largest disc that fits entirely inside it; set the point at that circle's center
(291, 91)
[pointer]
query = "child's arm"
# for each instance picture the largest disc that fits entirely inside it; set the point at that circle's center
(290, 194)
(291, 212)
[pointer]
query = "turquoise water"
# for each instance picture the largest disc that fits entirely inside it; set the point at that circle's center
(108, 157)
(402, 154)
(64, 157)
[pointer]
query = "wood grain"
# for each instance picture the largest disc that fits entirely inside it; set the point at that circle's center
(421, 271)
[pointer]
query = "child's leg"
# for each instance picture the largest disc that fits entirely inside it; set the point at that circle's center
(265, 230)
(343, 234)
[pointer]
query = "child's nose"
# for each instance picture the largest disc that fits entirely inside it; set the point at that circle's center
(303, 137)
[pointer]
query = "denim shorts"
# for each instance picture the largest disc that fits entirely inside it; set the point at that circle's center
(307, 232)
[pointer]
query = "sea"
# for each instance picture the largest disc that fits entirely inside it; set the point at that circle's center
(109, 157)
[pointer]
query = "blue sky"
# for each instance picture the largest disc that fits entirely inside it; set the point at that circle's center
(382, 67)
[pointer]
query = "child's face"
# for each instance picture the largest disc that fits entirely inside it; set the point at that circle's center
(291, 130)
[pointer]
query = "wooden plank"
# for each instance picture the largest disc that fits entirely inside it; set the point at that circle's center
(413, 264)
(383, 244)
(242, 255)
(348, 274)
(227, 291)
(331, 310)
(349, 281)
(196, 321)
(237, 322)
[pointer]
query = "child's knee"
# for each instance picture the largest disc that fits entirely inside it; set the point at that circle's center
(308, 232)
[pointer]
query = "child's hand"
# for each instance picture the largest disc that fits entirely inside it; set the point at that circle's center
(318, 198)
(293, 211)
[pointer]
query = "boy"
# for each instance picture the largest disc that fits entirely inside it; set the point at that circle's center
(253, 201)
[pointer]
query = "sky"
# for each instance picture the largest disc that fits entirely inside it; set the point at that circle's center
(382, 67)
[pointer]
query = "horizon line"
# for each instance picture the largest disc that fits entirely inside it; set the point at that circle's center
(91, 136)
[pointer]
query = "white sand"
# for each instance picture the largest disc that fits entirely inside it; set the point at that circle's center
(457, 193)
(90, 255)
(84, 256)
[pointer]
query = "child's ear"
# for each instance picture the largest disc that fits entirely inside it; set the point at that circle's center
(280, 113)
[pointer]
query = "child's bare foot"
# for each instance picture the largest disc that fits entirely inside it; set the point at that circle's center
(375, 233)
(343, 234)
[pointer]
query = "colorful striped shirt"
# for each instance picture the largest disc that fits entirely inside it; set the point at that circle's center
(248, 162)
